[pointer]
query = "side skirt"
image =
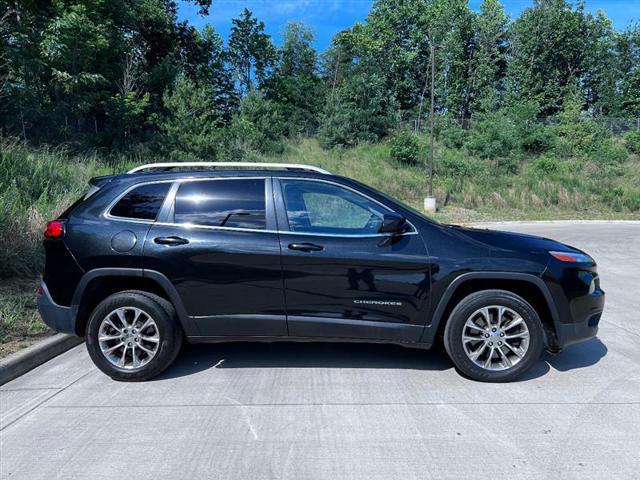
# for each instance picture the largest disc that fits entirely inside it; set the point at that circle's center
(268, 339)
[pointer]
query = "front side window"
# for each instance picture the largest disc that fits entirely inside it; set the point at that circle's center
(238, 203)
(141, 203)
(318, 207)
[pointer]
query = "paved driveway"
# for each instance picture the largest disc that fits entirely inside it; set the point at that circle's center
(302, 411)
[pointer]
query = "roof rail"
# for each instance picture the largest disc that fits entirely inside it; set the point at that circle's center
(259, 165)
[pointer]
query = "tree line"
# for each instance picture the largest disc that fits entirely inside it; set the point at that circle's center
(128, 74)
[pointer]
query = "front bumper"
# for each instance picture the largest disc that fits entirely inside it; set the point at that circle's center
(587, 316)
(59, 318)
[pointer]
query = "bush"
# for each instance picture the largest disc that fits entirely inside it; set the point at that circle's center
(362, 111)
(532, 136)
(405, 148)
(450, 133)
(546, 165)
(578, 135)
(609, 154)
(493, 136)
(456, 168)
(536, 138)
(632, 141)
(258, 127)
(191, 129)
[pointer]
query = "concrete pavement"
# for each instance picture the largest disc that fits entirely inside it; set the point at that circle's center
(306, 411)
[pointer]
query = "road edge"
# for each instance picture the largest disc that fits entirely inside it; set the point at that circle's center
(22, 361)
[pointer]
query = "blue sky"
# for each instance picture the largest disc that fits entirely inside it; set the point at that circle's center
(327, 17)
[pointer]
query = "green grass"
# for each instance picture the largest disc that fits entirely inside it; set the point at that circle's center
(579, 189)
(20, 323)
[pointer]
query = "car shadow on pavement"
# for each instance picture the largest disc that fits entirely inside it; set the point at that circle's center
(196, 358)
(573, 357)
(580, 355)
(200, 357)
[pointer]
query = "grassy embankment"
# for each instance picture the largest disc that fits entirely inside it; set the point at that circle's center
(37, 184)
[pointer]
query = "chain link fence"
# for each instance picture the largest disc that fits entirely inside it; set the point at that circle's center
(616, 125)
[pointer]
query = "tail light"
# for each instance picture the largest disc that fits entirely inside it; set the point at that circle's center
(54, 229)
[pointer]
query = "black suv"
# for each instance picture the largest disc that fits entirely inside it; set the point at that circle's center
(290, 252)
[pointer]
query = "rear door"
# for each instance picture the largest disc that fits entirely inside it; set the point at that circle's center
(342, 278)
(219, 248)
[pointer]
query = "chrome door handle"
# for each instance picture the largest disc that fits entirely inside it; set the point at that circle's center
(172, 240)
(306, 247)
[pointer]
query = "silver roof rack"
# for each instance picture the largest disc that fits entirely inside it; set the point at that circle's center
(258, 165)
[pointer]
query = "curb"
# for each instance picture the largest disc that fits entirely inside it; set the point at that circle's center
(29, 358)
(557, 222)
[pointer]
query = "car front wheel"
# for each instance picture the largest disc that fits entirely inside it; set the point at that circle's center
(133, 336)
(494, 336)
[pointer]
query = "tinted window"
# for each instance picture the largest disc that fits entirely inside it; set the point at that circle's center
(222, 203)
(318, 207)
(142, 202)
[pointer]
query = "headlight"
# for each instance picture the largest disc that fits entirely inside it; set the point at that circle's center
(572, 257)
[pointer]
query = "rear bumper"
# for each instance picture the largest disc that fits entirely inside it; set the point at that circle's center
(59, 318)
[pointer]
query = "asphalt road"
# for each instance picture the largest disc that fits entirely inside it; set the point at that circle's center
(304, 411)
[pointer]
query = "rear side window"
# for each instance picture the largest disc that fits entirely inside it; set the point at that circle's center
(238, 203)
(141, 203)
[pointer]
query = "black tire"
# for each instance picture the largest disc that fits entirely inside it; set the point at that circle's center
(470, 304)
(169, 331)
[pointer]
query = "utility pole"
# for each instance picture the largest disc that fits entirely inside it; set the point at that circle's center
(430, 201)
(433, 81)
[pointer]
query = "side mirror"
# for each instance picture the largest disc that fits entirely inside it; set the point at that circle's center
(393, 223)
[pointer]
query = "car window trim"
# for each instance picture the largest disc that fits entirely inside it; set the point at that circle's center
(107, 211)
(271, 197)
(414, 230)
(269, 216)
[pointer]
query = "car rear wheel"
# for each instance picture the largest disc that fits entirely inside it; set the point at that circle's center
(133, 336)
(494, 336)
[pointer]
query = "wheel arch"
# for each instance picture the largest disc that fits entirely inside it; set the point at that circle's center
(96, 285)
(528, 286)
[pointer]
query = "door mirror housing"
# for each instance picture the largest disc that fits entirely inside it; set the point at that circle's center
(393, 223)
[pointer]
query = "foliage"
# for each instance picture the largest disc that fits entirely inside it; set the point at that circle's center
(405, 148)
(258, 127)
(191, 129)
(251, 52)
(294, 84)
(546, 165)
(493, 135)
(577, 134)
(362, 111)
(632, 141)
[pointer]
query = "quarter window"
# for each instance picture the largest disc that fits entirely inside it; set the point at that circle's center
(142, 203)
(222, 203)
(318, 207)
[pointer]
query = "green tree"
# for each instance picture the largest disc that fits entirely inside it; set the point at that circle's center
(628, 65)
(601, 72)
(259, 126)
(251, 52)
(363, 111)
(550, 42)
(294, 83)
(488, 62)
(192, 128)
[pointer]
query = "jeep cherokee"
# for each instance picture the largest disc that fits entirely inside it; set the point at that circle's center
(216, 252)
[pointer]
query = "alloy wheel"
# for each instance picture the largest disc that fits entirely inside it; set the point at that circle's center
(495, 337)
(129, 338)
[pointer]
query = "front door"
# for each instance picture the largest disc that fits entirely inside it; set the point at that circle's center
(220, 250)
(342, 278)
